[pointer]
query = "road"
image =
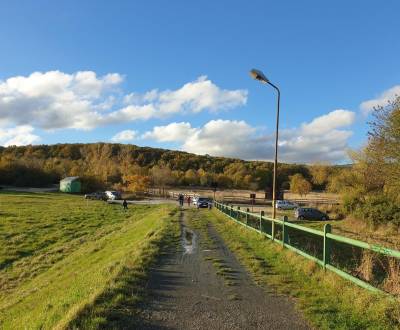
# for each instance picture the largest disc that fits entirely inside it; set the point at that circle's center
(186, 290)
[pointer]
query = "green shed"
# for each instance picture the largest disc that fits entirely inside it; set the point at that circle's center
(71, 184)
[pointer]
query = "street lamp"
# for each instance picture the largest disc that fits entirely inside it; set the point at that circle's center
(258, 75)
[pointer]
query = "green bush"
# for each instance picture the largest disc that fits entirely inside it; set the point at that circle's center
(376, 209)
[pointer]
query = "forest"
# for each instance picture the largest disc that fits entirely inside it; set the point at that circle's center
(119, 165)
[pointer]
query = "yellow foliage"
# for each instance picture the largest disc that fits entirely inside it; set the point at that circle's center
(136, 182)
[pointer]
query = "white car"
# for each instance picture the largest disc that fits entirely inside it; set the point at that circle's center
(113, 195)
(195, 199)
(285, 205)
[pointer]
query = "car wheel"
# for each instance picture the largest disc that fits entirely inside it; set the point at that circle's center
(323, 219)
(300, 218)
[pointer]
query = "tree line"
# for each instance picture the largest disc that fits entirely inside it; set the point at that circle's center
(133, 168)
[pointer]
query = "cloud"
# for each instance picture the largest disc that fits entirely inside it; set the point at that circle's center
(19, 135)
(174, 132)
(381, 101)
(125, 136)
(54, 99)
(323, 139)
(326, 123)
(83, 100)
(199, 95)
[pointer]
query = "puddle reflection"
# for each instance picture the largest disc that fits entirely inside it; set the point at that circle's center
(188, 241)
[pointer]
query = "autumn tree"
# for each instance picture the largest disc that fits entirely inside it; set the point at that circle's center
(136, 182)
(162, 177)
(320, 174)
(383, 149)
(299, 185)
(191, 177)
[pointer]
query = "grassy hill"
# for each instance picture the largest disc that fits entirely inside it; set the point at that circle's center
(59, 253)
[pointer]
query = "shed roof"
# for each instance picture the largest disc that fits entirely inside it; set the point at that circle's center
(70, 179)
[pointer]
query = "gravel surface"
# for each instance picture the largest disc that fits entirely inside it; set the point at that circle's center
(185, 292)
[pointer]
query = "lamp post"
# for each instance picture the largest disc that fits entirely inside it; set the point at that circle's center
(258, 75)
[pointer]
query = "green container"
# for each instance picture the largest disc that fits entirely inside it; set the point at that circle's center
(70, 184)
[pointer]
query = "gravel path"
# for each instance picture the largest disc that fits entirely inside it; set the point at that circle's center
(185, 292)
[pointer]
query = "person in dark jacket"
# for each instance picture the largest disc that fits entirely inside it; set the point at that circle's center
(125, 204)
(180, 198)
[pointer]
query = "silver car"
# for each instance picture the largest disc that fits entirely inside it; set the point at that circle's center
(285, 205)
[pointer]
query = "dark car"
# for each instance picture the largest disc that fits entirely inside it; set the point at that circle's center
(310, 213)
(96, 195)
(203, 202)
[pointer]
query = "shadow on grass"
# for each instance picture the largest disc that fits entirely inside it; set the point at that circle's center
(117, 307)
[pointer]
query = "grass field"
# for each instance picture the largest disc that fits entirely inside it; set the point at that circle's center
(60, 253)
(328, 301)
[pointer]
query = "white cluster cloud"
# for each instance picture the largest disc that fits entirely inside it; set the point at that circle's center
(54, 99)
(323, 139)
(195, 97)
(82, 100)
(19, 135)
(381, 101)
(125, 136)
(174, 132)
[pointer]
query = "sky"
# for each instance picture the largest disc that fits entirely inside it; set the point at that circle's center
(174, 74)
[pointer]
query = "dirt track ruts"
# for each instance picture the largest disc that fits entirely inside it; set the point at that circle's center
(185, 292)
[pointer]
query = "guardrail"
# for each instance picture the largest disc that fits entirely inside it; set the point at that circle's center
(336, 253)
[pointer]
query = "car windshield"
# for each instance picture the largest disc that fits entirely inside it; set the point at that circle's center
(202, 199)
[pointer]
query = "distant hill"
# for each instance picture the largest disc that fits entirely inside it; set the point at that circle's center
(108, 163)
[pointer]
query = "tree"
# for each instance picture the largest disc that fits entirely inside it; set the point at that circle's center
(299, 185)
(383, 149)
(162, 176)
(320, 174)
(191, 177)
(204, 177)
(136, 182)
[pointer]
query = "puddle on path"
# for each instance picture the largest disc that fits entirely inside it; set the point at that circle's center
(188, 240)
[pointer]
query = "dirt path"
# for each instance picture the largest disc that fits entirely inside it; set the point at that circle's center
(199, 288)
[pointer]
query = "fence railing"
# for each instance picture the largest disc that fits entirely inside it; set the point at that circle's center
(341, 255)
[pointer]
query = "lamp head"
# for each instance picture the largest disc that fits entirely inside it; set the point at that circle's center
(258, 75)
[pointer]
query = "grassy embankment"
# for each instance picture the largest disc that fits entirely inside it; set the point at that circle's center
(61, 256)
(328, 301)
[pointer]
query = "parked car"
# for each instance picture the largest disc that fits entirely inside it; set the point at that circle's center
(113, 195)
(310, 213)
(203, 202)
(195, 199)
(285, 205)
(100, 195)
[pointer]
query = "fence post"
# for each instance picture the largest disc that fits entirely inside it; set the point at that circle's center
(273, 229)
(247, 216)
(230, 211)
(327, 245)
(284, 231)
(261, 215)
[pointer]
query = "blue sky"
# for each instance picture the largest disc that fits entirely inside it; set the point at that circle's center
(80, 71)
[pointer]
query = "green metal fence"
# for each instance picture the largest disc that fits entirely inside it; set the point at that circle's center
(336, 253)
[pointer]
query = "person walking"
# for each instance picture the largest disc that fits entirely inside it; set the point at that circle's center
(180, 198)
(189, 200)
(125, 204)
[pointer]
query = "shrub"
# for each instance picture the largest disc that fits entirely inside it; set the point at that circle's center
(377, 209)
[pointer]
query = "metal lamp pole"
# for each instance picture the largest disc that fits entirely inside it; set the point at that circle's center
(258, 75)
